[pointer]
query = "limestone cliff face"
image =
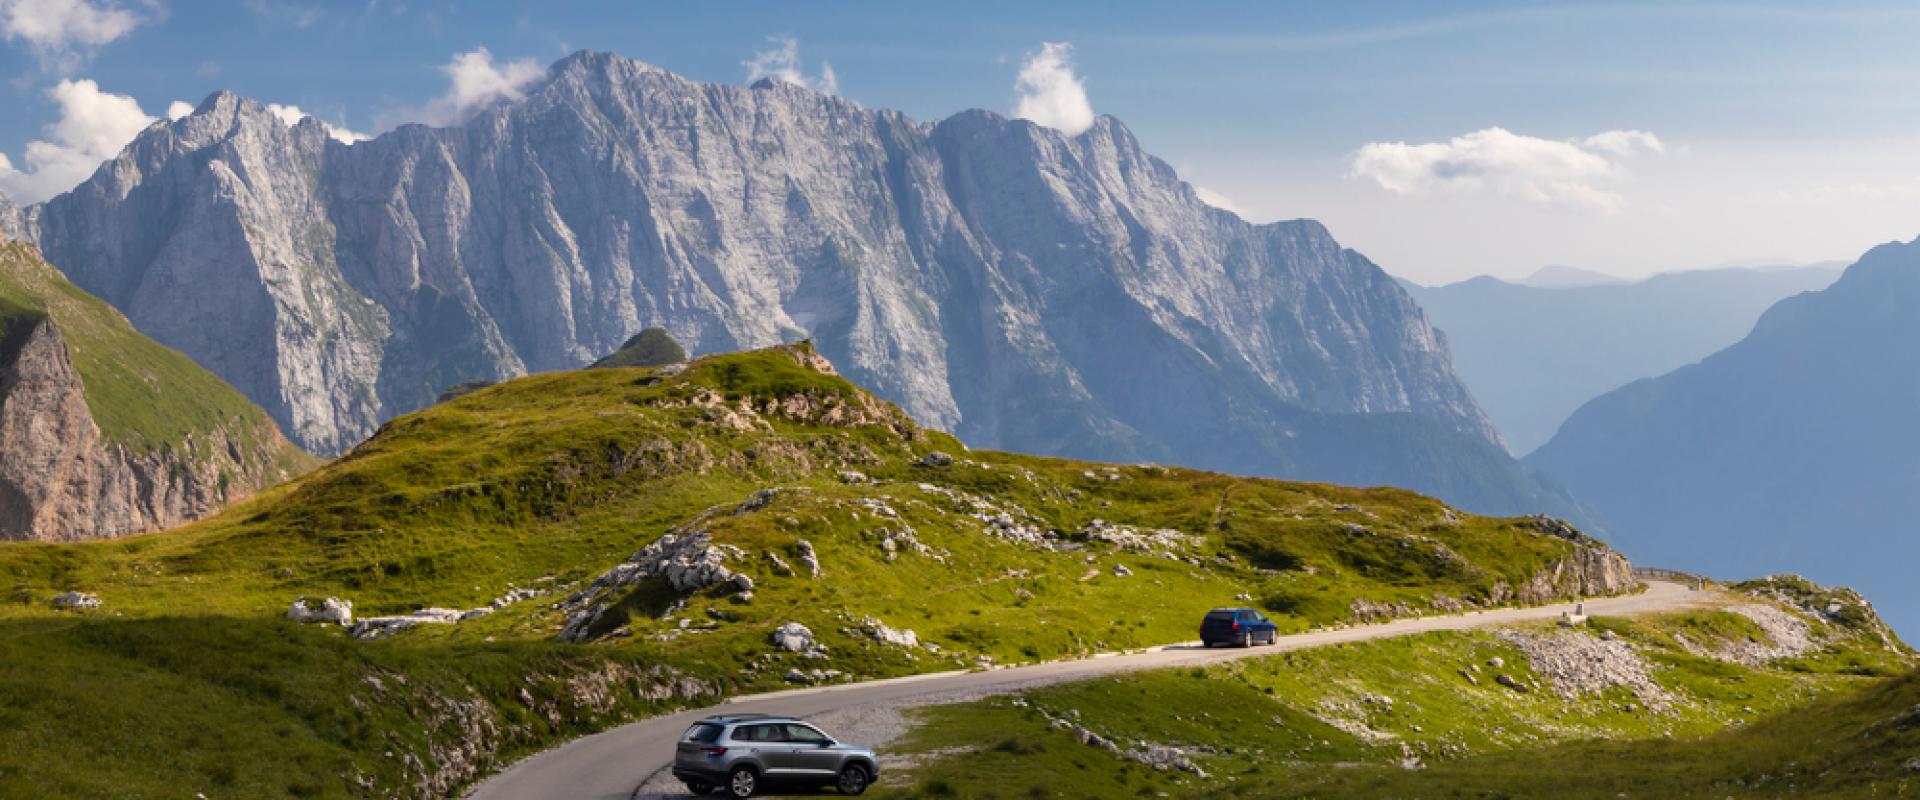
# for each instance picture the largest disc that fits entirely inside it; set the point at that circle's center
(1022, 288)
(13, 221)
(177, 445)
(60, 480)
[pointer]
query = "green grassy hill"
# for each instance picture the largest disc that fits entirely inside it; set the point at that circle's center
(1763, 696)
(190, 678)
(143, 395)
(104, 431)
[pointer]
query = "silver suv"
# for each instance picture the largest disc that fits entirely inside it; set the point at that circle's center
(745, 753)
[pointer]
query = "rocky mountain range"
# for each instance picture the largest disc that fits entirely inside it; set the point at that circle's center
(1023, 288)
(13, 222)
(1534, 353)
(1794, 449)
(103, 432)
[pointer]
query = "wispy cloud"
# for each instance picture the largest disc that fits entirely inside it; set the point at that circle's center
(474, 81)
(1217, 200)
(1545, 172)
(291, 115)
(63, 34)
(782, 63)
(1049, 93)
(93, 126)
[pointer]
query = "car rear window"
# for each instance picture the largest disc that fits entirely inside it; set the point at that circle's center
(703, 732)
(1219, 616)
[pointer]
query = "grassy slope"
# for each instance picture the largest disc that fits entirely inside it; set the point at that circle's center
(1820, 723)
(561, 476)
(142, 394)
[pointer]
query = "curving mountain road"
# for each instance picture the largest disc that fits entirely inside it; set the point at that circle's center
(609, 765)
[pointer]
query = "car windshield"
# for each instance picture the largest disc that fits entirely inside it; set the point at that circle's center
(703, 732)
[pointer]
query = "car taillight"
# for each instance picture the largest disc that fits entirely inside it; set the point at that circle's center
(716, 751)
(1236, 626)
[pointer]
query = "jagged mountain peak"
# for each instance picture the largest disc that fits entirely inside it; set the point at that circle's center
(1024, 288)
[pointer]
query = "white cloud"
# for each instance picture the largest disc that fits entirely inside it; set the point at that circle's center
(93, 127)
(782, 63)
(1217, 200)
(178, 109)
(62, 33)
(475, 82)
(1048, 93)
(1626, 143)
(291, 116)
(1546, 172)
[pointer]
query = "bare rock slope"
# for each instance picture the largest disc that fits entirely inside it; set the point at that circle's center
(1019, 287)
(86, 450)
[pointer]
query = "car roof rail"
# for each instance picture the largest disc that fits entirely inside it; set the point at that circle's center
(744, 716)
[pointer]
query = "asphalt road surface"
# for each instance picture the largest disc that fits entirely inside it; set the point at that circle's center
(611, 764)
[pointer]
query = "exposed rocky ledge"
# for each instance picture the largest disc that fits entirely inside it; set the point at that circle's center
(62, 480)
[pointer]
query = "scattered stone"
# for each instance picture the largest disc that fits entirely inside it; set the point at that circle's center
(780, 565)
(809, 559)
(378, 627)
(1788, 635)
(474, 613)
(881, 633)
(936, 459)
(1496, 662)
(743, 582)
(77, 600)
(793, 637)
(1580, 665)
(1364, 610)
(1121, 570)
(1508, 681)
(852, 476)
(332, 610)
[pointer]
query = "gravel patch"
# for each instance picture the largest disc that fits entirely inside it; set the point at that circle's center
(1580, 665)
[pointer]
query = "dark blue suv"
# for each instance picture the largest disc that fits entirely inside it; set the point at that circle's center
(1241, 626)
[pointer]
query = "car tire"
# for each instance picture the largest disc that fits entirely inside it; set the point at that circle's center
(742, 782)
(1272, 636)
(1246, 639)
(853, 780)
(699, 787)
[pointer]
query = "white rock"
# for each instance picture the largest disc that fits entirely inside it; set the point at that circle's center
(793, 637)
(332, 610)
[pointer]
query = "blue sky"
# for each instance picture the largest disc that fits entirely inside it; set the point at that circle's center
(1630, 138)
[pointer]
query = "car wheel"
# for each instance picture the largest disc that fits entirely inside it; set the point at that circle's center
(1273, 636)
(853, 779)
(699, 787)
(1246, 639)
(743, 782)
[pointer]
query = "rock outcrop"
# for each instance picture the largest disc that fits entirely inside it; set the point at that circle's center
(1020, 287)
(13, 221)
(63, 474)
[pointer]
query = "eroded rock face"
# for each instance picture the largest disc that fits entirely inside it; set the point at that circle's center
(1593, 570)
(61, 480)
(958, 268)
